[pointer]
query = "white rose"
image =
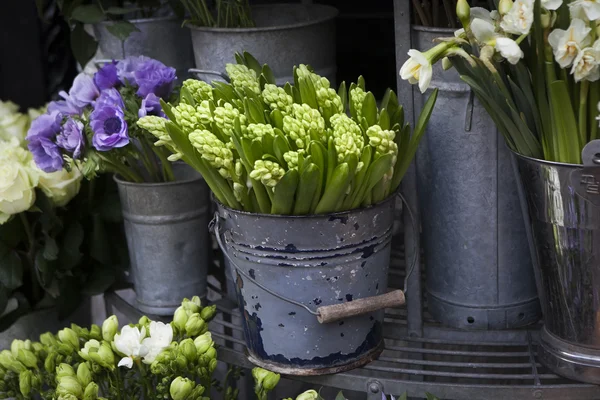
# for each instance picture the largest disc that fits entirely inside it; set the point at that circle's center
(12, 122)
(60, 186)
(8, 108)
(17, 188)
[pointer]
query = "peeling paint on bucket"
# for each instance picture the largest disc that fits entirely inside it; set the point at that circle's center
(315, 260)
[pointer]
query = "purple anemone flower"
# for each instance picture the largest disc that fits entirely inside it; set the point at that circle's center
(106, 77)
(110, 97)
(127, 67)
(45, 126)
(154, 77)
(71, 137)
(109, 127)
(151, 106)
(84, 91)
(40, 137)
(65, 106)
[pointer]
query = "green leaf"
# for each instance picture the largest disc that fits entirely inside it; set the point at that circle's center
(430, 396)
(88, 14)
(310, 182)
(308, 93)
(403, 397)
(110, 208)
(70, 254)
(331, 160)
(361, 83)
(122, 29)
(268, 74)
(284, 193)
(184, 93)
(276, 118)
(11, 271)
(377, 170)
(11, 234)
(343, 93)
(280, 147)
(239, 58)
(99, 281)
(45, 272)
(335, 190)
(252, 63)
(384, 120)
(369, 109)
(82, 44)
(254, 112)
(100, 244)
(340, 396)
(121, 10)
(50, 248)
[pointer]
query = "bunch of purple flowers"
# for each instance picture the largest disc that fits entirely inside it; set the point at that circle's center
(95, 122)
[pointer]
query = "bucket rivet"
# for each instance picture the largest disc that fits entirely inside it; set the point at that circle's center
(374, 388)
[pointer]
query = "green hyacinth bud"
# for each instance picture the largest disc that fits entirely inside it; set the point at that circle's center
(188, 349)
(27, 358)
(155, 125)
(318, 82)
(91, 391)
(268, 172)
(291, 158)
(243, 77)
(194, 325)
(463, 11)
(347, 136)
(204, 110)
(383, 141)
(328, 99)
(277, 98)
(203, 343)
(215, 152)
(294, 129)
(225, 116)
(48, 339)
(25, 384)
(308, 395)
(180, 318)
(110, 326)
(186, 117)
(181, 388)
(69, 337)
(199, 90)
(311, 119)
(64, 370)
(208, 313)
(83, 374)
(69, 385)
(357, 98)
(257, 131)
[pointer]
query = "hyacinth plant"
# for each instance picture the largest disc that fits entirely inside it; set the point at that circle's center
(94, 123)
(300, 149)
(534, 65)
(224, 13)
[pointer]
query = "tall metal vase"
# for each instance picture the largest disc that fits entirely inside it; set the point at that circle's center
(162, 38)
(562, 205)
(479, 273)
(166, 225)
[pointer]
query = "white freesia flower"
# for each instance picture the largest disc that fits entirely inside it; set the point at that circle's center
(129, 343)
(585, 9)
(17, 183)
(567, 44)
(161, 336)
(587, 64)
(519, 19)
(509, 49)
(60, 186)
(417, 68)
(484, 33)
(552, 4)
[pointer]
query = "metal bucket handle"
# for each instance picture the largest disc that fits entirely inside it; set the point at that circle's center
(336, 312)
(209, 72)
(586, 180)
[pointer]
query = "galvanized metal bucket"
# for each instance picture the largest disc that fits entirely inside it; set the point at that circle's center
(562, 207)
(479, 273)
(302, 282)
(166, 225)
(285, 35)
(163, 39)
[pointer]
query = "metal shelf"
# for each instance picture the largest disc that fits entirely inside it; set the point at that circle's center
(449, 363)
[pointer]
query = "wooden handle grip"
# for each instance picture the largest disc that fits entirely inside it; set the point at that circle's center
(336, 312)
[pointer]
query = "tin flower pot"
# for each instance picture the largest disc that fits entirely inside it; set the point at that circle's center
(166, 226)
(288, 269)
(160, 38)
(479, 271)
(285, 35)
(562, 211)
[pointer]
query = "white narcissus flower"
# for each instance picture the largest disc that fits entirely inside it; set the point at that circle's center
(587, 64)
(483, 30)
(129, 343)
(567, 44)
(519, 19)
(17, 183)
(585, 9)
(417, 68)
(161, 336)
(484, 33)
(509, 49)
(552, 4)
(60, 186)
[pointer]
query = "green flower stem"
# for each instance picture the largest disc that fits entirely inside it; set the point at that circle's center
(36, 287)
(593, 110)
(583, 108)
(120, 169)
(167, 169)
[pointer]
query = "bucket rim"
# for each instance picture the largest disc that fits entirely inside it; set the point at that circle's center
(141, 21)
(120, 181)
(546, 162)
(330, 13)
(432, 29)
(309, 216)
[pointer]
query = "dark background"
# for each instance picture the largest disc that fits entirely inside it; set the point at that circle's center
(36, 61)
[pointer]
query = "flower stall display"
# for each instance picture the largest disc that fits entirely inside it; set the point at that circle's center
(303, 187)
(50, 234)
(95, 125)
(535, 66)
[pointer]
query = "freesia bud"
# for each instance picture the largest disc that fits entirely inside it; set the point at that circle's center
(95, 332)
(37, 347)
(144, 321)
(463, 11)
(194, 325)
(106, 356)
(270, 381)
(64, 370)
(15, 346)
(181, 361)
(505, 6)
(69, 385)
(446, 63)
(188, 349)
(50, 363)
(25, 382)
(181, 388)
(91, 391)
(48, 339)
(546, 19)
(27, 358)
(109, 328)
(192, 306)
(211, 353)
(83, 374)
(203, 343)
(180, 318)
(308, 395)
(212, 365)
(208, 313)
(68, 336)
